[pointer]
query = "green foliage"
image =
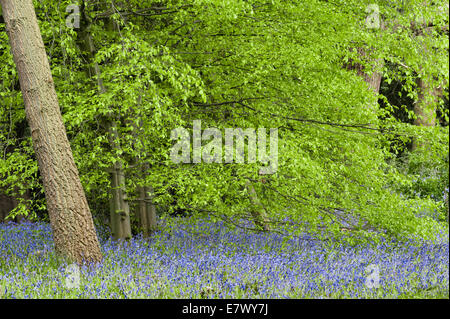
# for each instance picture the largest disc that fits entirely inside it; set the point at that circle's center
(244, 64)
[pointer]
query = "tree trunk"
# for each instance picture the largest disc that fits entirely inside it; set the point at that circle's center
(150, 209)
(71, 220)
(428, 95)
(10, 202)
(373, 80)
(258, 212)
(6, 206)
(425, 107)
(147, 211)
(119, 207)
(446, 205)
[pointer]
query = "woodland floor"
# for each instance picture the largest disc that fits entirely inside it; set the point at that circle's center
(210, 260)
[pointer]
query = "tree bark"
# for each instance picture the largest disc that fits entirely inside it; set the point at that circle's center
(258, 212)
(425, 107)
(373, 80)
(71, 220)
(6, 206)
(10, 202)
(119, 207)
(146, 211)
(428, 94)
(150, 209)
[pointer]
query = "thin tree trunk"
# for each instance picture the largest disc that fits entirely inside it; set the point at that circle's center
(71, 220)
(258, 212)
(146, 211)
(150, 209)
(446, 205)
(142, 216)
(119, 207)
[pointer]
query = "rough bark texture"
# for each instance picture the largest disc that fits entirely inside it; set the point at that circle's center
(119, 207)
(71, 220)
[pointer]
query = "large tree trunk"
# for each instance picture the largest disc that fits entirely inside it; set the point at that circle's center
(71, 220)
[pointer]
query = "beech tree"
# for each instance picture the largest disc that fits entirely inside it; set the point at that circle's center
(73, 228)
(243, 64)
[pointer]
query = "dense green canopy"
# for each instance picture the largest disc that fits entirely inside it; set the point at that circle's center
(289, 65)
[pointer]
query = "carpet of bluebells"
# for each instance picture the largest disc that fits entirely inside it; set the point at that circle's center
(210, 260)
